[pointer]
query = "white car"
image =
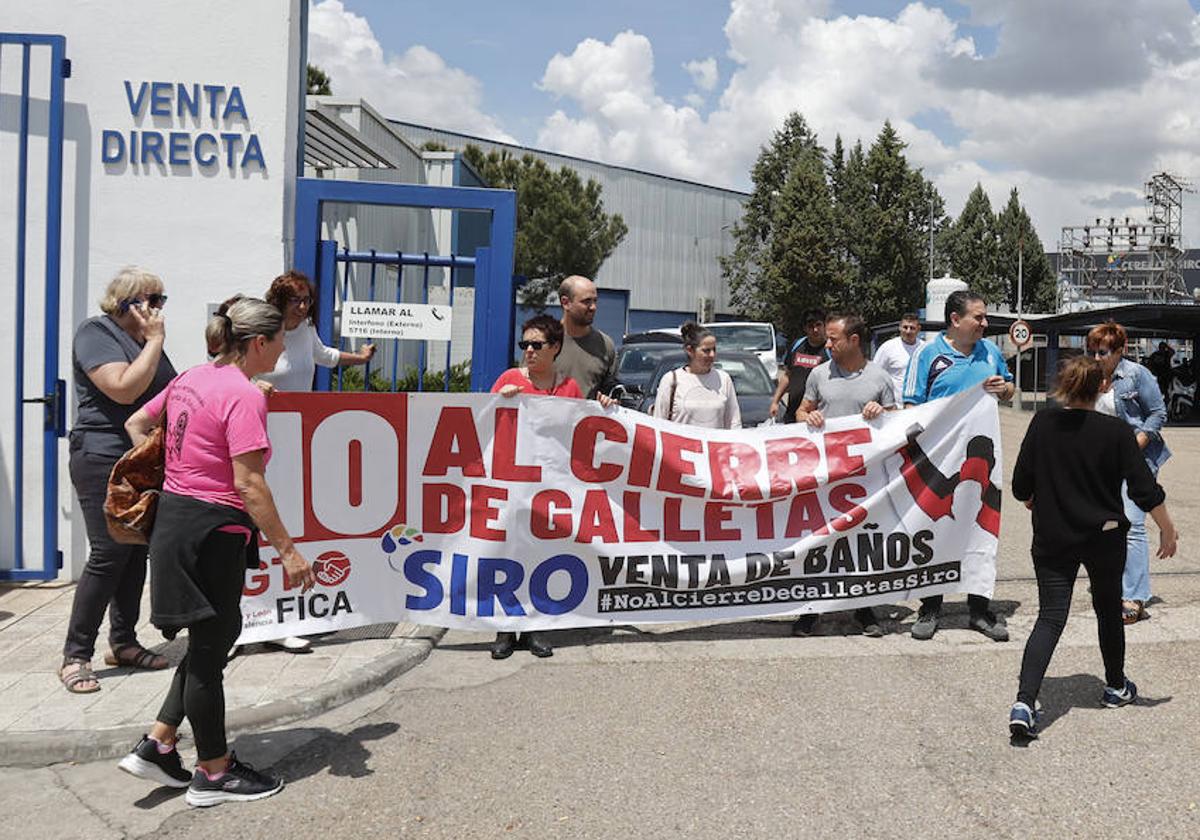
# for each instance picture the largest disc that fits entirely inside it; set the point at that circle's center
(757, 337)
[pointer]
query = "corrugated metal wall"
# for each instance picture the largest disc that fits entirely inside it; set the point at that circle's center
(677, 229)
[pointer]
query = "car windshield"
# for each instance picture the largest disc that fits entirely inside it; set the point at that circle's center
(747, 374)
(642, 358)
(750, 337)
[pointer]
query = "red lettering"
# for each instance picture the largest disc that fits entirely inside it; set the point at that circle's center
(641, 463)
(596, 520)
(543, 522)
(583, 448)
(841, 499)
(764, 519)
(455, 444)
(716, 514)
(631, 503)
(838, 459)
(805, 515)
(734, 465)
(673, 531)
(504, 451)
(443, 508)
(674, 467)
(354, 457)
(792, 465)
(483, 512)
(259, 582)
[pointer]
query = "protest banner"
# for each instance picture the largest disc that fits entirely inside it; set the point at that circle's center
(481, 512)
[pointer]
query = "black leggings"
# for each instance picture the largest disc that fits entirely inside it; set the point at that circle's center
(1104, 559)
(197, 691)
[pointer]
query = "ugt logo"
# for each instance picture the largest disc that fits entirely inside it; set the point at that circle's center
(933, 490)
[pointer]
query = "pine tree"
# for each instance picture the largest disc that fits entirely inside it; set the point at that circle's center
(973, 248)
(1017, 236)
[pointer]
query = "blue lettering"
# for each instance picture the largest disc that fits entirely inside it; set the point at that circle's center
(212, 91)
(539, 595)
(458, 584)
(160, 99)
(185, 102)
(135, 105)
(152, 143)
(235, 105)
(504, 591)
(178, 146)
(253, 152)
(202, 158)
(414, 570)
(114, 140)
(231, 141)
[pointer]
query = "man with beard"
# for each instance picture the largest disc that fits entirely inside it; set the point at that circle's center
(804, 355)
(588, 356)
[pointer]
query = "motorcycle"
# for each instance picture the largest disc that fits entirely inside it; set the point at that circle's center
(1181, 395)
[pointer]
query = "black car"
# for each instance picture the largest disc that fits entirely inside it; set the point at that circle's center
(637, 360)
(753, 386)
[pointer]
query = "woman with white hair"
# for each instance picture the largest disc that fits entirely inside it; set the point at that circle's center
(119, 365)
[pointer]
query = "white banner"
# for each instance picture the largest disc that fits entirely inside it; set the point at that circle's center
(422, 321)
(480, 512)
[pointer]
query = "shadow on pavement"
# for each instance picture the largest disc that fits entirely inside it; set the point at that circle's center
(319, 748)
(1060, 695)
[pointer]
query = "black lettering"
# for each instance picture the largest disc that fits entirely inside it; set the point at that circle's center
(664, 570)
(633, 568)
(815, 560)
(897, 550)
(718, 572)
(922, 550)
(842, 559)
(610, 569)
(870, 552)
(758, 566)
(693, 561)
(779, 563)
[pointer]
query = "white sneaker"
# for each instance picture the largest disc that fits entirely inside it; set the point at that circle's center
(292, 644)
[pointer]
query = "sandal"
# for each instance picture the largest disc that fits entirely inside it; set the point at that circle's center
(1133, 611)
(136, 656)
(82, 680)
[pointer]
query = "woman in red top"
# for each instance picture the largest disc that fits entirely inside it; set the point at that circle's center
(541, 339)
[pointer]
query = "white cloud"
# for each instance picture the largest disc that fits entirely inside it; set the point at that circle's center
(416, 85)
(703, 73)
(1068, 140)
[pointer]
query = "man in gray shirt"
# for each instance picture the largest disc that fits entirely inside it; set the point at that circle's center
(845, 385)
(588, 356)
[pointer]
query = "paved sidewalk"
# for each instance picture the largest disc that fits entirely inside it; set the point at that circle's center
(41, 723)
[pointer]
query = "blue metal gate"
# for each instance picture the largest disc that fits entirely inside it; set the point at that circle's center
(52, 397)
(492, 266)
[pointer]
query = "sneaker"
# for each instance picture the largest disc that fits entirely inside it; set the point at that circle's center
(990, 625)
(146, 761)
(1022, 721)
(1116, 698)
(926, 624)
(804, 625)
(239, 783)
(869, 624)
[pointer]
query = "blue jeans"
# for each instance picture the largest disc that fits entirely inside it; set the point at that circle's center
(1136, 581)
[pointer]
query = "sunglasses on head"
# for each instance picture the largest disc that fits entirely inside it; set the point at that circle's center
(535, 345)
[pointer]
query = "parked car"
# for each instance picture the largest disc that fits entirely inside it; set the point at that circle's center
(637, 360)
(750, 381)
(757, 337)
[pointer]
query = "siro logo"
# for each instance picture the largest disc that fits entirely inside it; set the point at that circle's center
(933, 490)
(397, 536)
(332, 568)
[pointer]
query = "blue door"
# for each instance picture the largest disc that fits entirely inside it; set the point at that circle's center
(39, 413)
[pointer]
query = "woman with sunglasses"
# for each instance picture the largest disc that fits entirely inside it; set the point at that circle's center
(119, 365)
(293, 294)
(541, 341)
(1135, 397)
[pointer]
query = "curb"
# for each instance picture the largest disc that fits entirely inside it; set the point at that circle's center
(40, 749)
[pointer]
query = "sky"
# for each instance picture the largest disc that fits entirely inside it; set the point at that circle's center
(1076, 103)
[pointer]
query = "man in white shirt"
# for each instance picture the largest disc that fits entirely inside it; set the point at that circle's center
(895, 353)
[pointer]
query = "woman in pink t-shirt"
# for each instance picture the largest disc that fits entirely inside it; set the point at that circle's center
(541, 339)
(215, 500)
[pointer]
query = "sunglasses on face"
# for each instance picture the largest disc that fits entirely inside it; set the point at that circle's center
(534, 345)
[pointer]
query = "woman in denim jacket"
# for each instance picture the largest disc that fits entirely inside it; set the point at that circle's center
(1136, 398)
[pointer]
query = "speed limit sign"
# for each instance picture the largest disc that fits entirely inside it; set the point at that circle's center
(1021, 334)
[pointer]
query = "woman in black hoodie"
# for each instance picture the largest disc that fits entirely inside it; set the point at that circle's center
(1069, 473)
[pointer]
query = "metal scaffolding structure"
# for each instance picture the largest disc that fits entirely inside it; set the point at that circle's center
(1117, 261)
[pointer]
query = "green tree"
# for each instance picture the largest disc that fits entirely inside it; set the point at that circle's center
(318, 81)
(785, 257)
(1017, 237)
(974, 249)
(562, 228)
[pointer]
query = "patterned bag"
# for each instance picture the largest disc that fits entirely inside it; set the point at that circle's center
(133, 488)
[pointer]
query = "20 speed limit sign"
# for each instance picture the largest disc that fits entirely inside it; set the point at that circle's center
(1021, 334)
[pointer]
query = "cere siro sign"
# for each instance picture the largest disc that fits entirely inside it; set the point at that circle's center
(481, 512)
(186, 105)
